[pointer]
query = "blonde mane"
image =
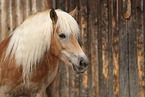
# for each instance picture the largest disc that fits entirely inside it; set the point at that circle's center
(32, 38)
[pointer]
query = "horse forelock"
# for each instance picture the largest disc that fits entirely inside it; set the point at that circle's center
(32, 38)
(67, 23)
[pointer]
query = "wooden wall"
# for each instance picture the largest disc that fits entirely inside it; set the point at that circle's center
(112, 36)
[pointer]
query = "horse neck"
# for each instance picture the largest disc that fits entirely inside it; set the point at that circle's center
(47, 68)
(50, 59)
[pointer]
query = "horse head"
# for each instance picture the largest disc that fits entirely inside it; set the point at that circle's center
(64, 42)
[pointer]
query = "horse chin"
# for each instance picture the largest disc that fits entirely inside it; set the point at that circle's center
(78, 70)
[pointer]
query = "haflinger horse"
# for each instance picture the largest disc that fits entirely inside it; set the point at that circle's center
(29, 57)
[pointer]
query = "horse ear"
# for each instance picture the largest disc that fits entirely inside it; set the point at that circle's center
(53, 16)
(73, 13)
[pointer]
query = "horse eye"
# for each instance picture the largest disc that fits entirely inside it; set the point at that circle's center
(62, 36)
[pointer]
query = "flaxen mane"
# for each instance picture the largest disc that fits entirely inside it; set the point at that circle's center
(32, 38)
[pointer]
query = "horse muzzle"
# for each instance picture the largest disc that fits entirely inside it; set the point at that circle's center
(82, 65)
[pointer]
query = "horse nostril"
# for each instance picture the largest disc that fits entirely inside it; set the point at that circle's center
(83, 63)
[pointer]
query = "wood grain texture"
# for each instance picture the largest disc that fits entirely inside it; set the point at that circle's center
(115, 49)
(110, 48)
(144, 38)
(123, 52)
(140, 44)
(133, 67)
(89, 47)
(5, 18)
(102, 87)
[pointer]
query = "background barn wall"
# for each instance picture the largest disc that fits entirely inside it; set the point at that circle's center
(112, 36)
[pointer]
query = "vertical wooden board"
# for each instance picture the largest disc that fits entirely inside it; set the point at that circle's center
(62, 4)
(123, 52)
(144, 39)
(89, 48)
(110, 45)
(83, 38)
(43, 6)
(94, 56)
(115, 49)
(16, 13)
(53, 3)
(99, 49)
(39, 5)
(5, 18)
(102, 87)
(140, 47)
(57, 4)
(19, 11)
(48, 4)
(133, 68)
(104, 30)
(34, 6)
(13, 15)
(77, 91)
(27, 9)
(102, 47)
(71, 4)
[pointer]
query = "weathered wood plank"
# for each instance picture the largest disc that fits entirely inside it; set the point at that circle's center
(12, 15)
(83, 79)
(144, 38)
(44, 4)
(62, 4)
(34, 6)
(48, 4)
(140, 48)
(57, 4)
(102, 47)
(115, 49)
(4, 18)
(110, 45)
(19, 11)
(94, 47)
(123, 52)
(102, 87)
(100, 63)
(133, 68)
(39, 4)
(27, 8)
(89, 48)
